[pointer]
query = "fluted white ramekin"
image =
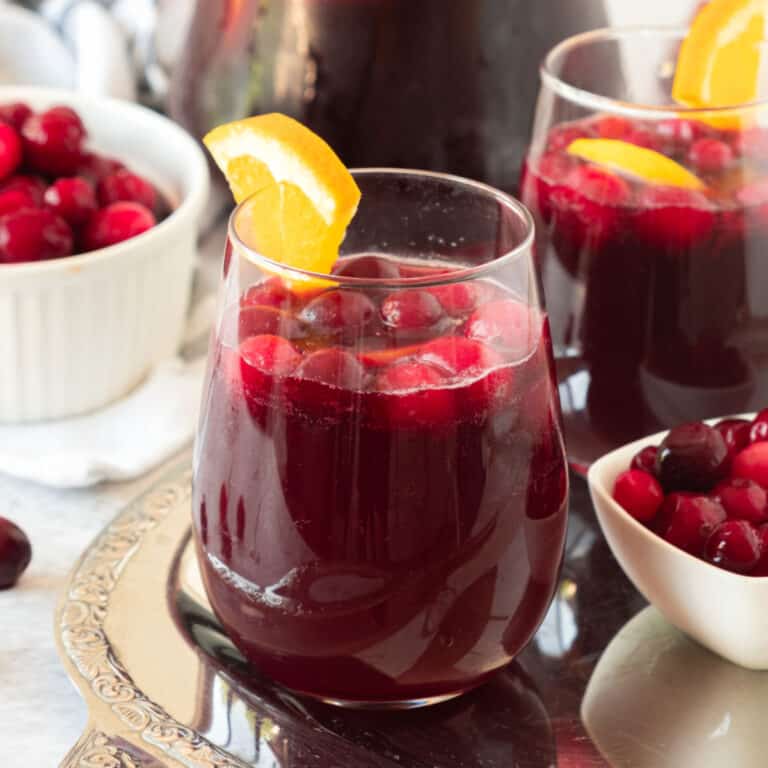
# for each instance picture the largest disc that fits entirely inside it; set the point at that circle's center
(79, 332)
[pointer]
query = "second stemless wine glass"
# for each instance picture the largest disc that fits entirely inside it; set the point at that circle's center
(380, 478)
(657, 294)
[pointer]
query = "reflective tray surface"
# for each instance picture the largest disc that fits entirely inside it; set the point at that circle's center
(606, 681)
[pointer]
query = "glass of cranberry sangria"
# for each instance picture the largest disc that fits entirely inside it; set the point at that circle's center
(380, 479)
(652, 234)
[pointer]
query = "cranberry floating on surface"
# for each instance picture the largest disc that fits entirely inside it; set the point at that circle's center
(411, 310)
(685, 520)
(735, 546)
(10, 150)
(116, 223)
(338, 311)
(127, 187)
(71, 198)
(692, 457)
(334, 367)
(639, 493)
(367, 267)
(15, 553)
(270, 293)
(53, 141)
(33, 234)
(710, 155)
(506, 323)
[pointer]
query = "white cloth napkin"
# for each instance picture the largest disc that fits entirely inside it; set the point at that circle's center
(121, 442)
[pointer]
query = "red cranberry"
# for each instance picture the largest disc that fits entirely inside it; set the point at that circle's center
(15, 114)
(692, 457)
(459, 299)
(551, 171)
(264, 357)
(52, 141)
(752, 463)
(333, 366)
(680, 133)
(686, 520)
(368, 268)
(95, 167)
(507, 324)
(710, 155)
(600, 185)
(758, 429)
(126, 187)
(13, 199)
(116, 223)
(734, 545)
(336, 311)
(560, 138)
(15, 553)
(743, 500)
(639, 493)
(10, 150)
(735, 432)
(645, 460)
(71, 198)
(613, 127)
(32, 186)
(33, 234)
(642, 137)
(673, 218)
(415, 395)
(259, 320)
(460, 356)
(271, 293)
(411, 310)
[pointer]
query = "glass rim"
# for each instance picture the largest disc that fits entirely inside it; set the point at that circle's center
(601, 103)
(450, 276)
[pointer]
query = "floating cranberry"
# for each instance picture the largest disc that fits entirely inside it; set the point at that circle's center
(53, 141)
(116, 223)
(508, 324)
(685, 520)
(32, 186)
(758, 429)
(459, 299)
(561, 137)
(271, 293)
(126, 187)
(71, 198)
(411, 310)
(680, 133)
(743, 500)
(10, 150)
(414, 394)
(692, 457)
(639, 493)
(735, 432)
(15, 114)
(752, 463)
(710, 155)
(95, 167)
(645, 460)
(337, 311)
(734, 545)
(551, 171)
(613, 127)
(261, 320)
(674, 219)
(368, 268)
(643, 137)
(33, 234)
(460, 356)
(333, 366)
(15, 553)
(600, 185)
(264, 359)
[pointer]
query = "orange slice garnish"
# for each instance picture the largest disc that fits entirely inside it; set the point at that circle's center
(300, 196)
(641, 163)
(721, 59)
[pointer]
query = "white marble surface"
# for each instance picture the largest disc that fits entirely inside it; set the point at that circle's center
(41, 713)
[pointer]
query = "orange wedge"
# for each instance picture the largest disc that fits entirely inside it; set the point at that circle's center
(639, 162)
(300, 196)
(722, 57)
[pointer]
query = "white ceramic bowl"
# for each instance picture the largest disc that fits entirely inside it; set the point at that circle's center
(80, 332)
(723, 611)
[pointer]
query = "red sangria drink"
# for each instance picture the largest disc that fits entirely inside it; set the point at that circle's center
(380, 479)
(652, 230)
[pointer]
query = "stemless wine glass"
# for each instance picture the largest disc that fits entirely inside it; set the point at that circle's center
(657, 291)
(380, 478)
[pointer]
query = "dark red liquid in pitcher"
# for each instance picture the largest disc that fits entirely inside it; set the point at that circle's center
(380, 485)
(658, 295)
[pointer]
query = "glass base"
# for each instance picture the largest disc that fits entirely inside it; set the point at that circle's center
(387, 706)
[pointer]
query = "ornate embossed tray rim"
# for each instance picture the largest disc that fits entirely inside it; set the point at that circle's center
(126, 729)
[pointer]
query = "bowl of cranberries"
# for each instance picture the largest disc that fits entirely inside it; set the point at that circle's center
(685, 513)
(99, 207)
